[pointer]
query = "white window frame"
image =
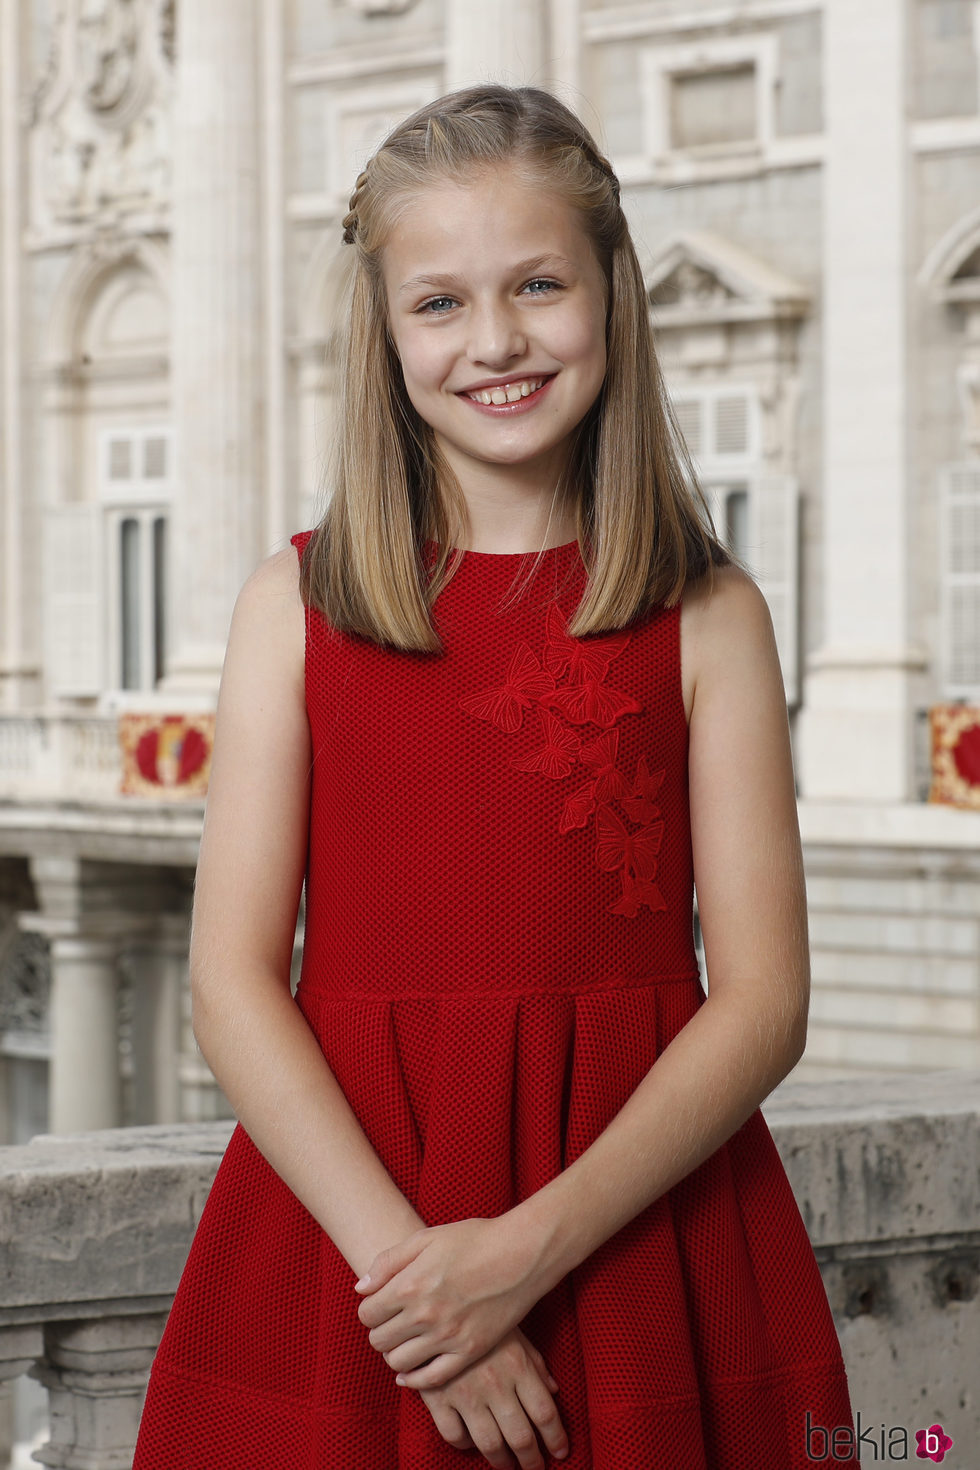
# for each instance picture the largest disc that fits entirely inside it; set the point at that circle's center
(660, 64)
(958, 484)
(708, 459)
(145, 500)
(137, 490)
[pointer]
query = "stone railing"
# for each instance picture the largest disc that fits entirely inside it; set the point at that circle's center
(94, 1230)
(70, 756)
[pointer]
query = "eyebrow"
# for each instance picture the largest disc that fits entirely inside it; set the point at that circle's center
(523, 267)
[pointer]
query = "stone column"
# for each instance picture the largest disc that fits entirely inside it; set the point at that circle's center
(157, 965)
(504, 42)
(96, 1374)
(14, 673)
(217, 339)
(85, 1090)
(856, 730)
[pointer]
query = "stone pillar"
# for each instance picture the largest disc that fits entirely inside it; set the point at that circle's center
(504, 42)
(20, 1348)
(14, 671)
(856, 730)
(85, 1089)
(96, 1374)
(217, 339)
(158, 967)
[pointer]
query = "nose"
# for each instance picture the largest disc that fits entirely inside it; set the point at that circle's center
(496, 336)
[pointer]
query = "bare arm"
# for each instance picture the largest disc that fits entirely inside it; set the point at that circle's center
(748, 869)
(249, 879)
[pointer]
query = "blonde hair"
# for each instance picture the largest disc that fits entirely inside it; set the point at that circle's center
(643, 525)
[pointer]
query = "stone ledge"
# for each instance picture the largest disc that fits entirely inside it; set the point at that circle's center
(892, 1158)
(102, 1218)
(917, 825)
(94, 1220)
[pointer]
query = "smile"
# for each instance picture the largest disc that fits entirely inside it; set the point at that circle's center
(507, 397)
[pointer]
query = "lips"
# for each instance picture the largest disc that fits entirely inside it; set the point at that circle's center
(508, 398)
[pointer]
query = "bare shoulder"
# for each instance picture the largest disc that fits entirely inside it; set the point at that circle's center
(274, 583)
(269, 615)
(262, 723)
(724, 626)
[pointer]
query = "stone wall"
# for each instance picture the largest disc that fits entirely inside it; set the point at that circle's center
(95, 1228)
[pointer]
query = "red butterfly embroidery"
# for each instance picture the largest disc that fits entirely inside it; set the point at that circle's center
(588, 660)
(635, 892)
(600, 754)
(592, 703)
(578, 808)
(639, 804)
(556, 757)
(584, 699)
(616, 847)
(504, 705)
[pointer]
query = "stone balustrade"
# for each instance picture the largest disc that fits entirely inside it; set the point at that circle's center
(94, 1230)
(69, 756)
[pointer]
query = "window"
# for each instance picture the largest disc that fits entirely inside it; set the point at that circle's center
(106, 571)
(715, 106)
(135, 491)
(710, 99)
(719, 423)
(755, 512)
(138, 561)
(960, 581)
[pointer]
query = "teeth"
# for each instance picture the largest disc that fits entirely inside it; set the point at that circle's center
(507, 392)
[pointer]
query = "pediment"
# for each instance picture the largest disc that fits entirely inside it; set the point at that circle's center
(700, 277)
(951, 270)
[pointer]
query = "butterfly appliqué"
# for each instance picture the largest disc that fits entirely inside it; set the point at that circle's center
(568, 684)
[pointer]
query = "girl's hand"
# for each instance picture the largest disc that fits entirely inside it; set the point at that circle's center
(496, 1404)
(449, 1294)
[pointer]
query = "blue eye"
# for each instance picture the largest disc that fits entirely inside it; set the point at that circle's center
(542, 281)
(436, 301)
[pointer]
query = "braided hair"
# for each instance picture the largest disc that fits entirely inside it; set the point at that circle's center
(475, 125)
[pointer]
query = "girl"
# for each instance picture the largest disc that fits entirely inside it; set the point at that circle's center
(501, 1187)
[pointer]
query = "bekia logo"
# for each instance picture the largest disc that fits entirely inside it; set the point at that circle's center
(933, 1443)
(884, 1443)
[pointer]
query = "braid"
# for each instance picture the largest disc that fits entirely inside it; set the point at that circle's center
(350, 218)
(601, 163)
(429, 131)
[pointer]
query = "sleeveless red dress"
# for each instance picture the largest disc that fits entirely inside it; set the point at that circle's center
(499, 945)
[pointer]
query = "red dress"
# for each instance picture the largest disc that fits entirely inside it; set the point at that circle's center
(499, 944)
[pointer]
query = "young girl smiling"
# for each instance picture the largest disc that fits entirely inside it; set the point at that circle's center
(500, 1184)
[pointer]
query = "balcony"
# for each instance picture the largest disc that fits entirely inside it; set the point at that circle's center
(94, 1230)
(59, 757)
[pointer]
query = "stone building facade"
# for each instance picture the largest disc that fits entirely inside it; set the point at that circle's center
(803, 182)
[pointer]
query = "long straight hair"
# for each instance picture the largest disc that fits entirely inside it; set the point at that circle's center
(643, 525)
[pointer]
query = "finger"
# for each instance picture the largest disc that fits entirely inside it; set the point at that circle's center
(542, 1367)
(374, 1311)
(543, 1413)
(421, 1373)
(395, 1332)
(450, 1425)
(487, 1438)
(386, 1264)
(519, 1435)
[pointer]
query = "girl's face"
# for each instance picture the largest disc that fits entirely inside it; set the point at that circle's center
(497, 309)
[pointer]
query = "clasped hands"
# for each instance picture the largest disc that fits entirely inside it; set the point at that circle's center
(448, 1294)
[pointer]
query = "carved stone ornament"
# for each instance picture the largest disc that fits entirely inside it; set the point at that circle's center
(690, 285)
(25, 978)
(379, 7)
(100, 115)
